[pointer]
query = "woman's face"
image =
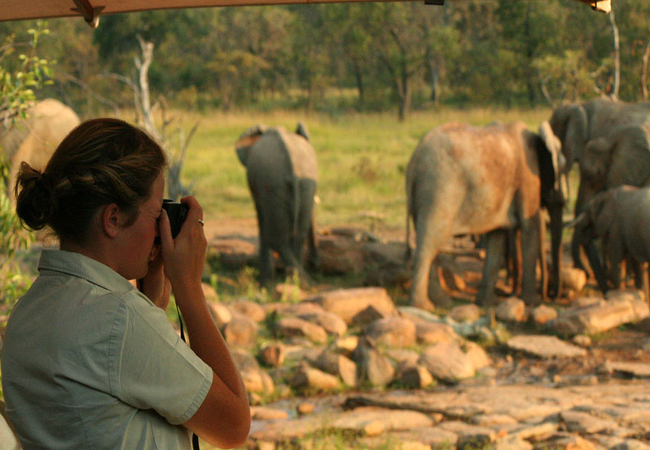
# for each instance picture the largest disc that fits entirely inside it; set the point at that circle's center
(140, 235)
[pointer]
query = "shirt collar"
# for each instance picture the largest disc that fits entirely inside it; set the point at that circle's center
(81, 266)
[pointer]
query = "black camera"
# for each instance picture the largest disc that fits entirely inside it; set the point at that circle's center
(177, 212)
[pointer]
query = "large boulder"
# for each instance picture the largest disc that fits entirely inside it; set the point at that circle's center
(347, 303)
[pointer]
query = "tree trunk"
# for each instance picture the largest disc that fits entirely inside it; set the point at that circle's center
(617, 56)
(433, 68)
(358, 74)
(644, 75)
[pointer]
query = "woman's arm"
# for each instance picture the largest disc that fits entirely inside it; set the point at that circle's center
(223, 419)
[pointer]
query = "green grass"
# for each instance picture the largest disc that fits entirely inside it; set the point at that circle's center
(361, 159)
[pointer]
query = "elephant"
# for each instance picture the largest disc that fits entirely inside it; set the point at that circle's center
(622, 158)
(463, 179)
(575, 125)
(35, 139)
(620, 217)
(282, 174)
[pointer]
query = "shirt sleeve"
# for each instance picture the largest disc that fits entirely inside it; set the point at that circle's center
(152, 368)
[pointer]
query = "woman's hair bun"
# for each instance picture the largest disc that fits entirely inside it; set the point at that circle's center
(35, 200)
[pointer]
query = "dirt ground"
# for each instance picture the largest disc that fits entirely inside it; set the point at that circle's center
(623, 344)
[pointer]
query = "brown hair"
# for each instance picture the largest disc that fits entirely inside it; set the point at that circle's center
(101, 161)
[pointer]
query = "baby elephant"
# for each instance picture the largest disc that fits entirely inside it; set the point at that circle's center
(620, 217)
(282, 176)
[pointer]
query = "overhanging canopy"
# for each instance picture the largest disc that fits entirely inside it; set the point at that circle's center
(90, 10)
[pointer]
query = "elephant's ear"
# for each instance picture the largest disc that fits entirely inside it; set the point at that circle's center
(302, 130)
(247, 139)
(554, 147)
(569, 123)
(596, 159)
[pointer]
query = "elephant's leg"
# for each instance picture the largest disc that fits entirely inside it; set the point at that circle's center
(312, 255)
(616, 256)
(265, 254)
(530, 243)
(430, 236)
(495, 242)
(637, 268)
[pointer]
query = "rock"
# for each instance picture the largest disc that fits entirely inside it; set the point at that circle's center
(289, 293)
(331, 323)
(249, 309)
(304, 408)
(220, 313)
(477, 355)
(257, 381)
(266, 413)
(601, 316)
(493, 420)
(584, 423)
(545, 346)
(403, 356)
(432, 333)
(291, 326)
(582, 340)
(372, 366)
(568, 442)
(346, 303)
(636, 370)
(446, 361)
(414, 377)
(368, 315)
(273, 354)
(625, 295)
(306, 377)
(231, 253)
(338, 365)
(465, 313)
(346, 344)
(393, 331)
(299, 309)
(339, 256)
(449, 280)
(241, 331)
(475, 441)
(511, 310)
(574, 279)
(512, 443)
(209, 292)
(631, 444)
(543, 314)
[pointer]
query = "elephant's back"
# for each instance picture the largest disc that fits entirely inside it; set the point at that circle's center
(301, 154)
(268, 163)
(49, 121)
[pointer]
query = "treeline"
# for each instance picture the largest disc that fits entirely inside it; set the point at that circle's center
(353, 56)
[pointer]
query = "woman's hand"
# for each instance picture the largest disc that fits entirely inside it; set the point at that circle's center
(155, 284)
(184, 256)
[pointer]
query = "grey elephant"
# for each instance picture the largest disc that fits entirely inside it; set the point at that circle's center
(620, 217)
(621, 158)
(35, 139)
(473, 180)
(282, 175)
(576, 125)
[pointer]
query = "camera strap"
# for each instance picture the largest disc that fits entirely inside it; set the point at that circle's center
(195, 438)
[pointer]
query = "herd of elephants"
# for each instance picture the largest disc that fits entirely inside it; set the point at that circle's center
(496, 181)
(500, 181)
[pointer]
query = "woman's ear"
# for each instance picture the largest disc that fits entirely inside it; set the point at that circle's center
(111, 220)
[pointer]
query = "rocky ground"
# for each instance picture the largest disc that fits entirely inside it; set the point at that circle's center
(355, 367)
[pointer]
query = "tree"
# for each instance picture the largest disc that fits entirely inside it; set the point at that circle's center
(20, 78)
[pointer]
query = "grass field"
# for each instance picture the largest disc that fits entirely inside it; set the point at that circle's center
(361, 159)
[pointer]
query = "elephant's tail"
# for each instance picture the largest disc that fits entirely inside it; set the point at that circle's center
(409, 200)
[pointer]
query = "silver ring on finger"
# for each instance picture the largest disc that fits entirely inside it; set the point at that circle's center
(201, 222)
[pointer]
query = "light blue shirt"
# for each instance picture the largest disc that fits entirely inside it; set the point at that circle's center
(90, 362)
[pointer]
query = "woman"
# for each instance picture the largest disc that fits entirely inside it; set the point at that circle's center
(88, 360)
